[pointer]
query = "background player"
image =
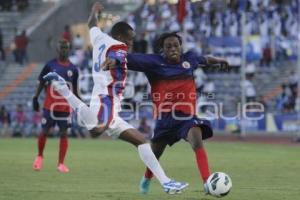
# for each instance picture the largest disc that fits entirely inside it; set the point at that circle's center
(173, 93)
(56, 109)
(102, 114)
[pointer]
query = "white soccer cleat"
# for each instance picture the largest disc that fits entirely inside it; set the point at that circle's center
(174, 187)
(58, 83)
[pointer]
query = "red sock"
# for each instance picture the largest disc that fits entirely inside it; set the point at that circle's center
(41, 143)
(63, 146)
(148, 173)
(202, 163)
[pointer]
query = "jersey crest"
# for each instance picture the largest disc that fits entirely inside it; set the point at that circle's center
(70, 73)
(186, 65)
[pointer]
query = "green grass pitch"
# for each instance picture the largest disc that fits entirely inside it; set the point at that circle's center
(111, 170)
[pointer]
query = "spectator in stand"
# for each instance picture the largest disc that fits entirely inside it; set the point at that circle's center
(286, 102)
(35, 126)
(1, 46)
(6, 5)
(250, 70)
(4, 121)
(267, 56)
(19, 122)
(21, 43)
(78, 42)
(200, 79)
(21, 4)
(67, 34)
(250, 91)
(293, 80)
(140, 45)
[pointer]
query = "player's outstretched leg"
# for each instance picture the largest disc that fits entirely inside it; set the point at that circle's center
(147, 156)
(195, 139)
(158, 149)
(85, 113)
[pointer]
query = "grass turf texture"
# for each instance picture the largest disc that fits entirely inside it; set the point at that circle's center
(104, 169)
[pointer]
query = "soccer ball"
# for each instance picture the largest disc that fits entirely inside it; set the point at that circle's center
(219, 184)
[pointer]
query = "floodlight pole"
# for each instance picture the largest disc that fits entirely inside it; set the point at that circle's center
(243, 74)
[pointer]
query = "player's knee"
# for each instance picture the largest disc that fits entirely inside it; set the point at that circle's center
(138, 141)
(63, 133)
(195, 138)
(197, 145)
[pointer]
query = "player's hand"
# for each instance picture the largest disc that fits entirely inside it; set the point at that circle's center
(35, 104)
(224, 65)
(109, 64)
(97, 7)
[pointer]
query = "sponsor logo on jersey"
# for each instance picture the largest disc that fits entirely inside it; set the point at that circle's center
(186, 65)
(70, 73)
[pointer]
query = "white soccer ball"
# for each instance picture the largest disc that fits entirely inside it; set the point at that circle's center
(219, 184)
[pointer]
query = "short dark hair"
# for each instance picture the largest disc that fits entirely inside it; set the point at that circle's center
(120, 28)
(164, 36)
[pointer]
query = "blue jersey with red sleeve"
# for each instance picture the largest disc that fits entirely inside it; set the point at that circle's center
(53, 100)
(172, 85)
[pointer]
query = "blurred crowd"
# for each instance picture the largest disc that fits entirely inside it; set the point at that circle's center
(267, 18)
(286, 102)
(13, 5)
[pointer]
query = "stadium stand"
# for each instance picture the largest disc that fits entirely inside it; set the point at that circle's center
(216, 32)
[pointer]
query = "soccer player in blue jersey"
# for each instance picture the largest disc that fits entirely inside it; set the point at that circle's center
(56, 110)
(102, 113)
(174, 96)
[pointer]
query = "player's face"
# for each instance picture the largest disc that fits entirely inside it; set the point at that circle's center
(63, 50)
(128, 38)
(172, 49)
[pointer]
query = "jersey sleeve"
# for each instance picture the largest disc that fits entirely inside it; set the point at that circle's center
(118, 53)
(201, 60)
(96, 35)
(44, 71)
(139, 62)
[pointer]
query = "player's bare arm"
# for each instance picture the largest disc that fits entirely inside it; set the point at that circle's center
(94, 15)
(220, 63)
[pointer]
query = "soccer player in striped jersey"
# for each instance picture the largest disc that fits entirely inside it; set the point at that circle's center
(102, 114)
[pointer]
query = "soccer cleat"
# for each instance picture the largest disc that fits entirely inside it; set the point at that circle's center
(174, 187)
(206, 189)
(38, 163)
(63, 168)
(145, 185)
(58, 83)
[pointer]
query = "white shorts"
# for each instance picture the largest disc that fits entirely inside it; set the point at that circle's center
(106, 109)
(117, 126)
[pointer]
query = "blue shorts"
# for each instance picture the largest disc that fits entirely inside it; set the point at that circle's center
(172, 130)
(52, 118)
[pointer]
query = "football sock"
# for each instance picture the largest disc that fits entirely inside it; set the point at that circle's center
(148, 174)
(152, 163)
(41, 143)
(63, 146)
(202, 163)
